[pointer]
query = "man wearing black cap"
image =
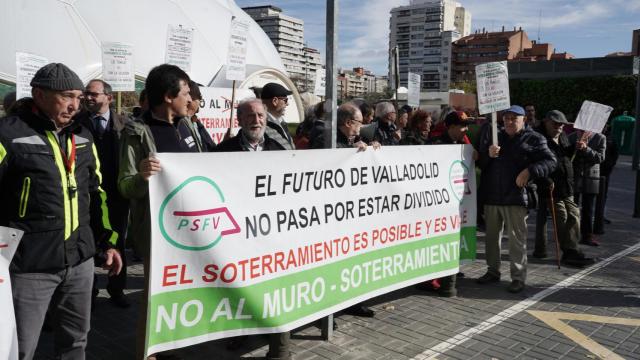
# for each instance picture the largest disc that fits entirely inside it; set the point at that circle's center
(50, 187)
(276, 99)
(560, 184)
(520, 156)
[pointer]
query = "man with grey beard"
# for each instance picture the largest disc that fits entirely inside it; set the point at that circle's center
(252, 118)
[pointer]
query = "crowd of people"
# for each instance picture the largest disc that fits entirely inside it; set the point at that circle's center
(74, 175)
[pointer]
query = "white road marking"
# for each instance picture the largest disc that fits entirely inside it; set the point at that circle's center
(466, 335)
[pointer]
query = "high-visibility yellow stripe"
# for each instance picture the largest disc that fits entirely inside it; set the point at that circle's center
(103, 200)
(24, 196)
(3, 153)
(63, 180)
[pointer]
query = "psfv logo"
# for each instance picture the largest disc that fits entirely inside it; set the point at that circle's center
(459, 180)
(193, 216)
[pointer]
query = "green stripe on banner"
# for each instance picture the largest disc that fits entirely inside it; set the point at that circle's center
(468, 240)
(193, 312)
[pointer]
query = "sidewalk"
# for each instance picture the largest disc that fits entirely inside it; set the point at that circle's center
(484, 322)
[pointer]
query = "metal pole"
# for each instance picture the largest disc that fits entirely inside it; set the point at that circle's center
(119, 102)
(331, 105)
(636, 151)
(331, 91)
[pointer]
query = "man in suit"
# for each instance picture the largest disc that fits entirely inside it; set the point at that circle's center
(106, 127)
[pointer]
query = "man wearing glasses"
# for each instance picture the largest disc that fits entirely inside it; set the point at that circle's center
(275, 99)
(106, 127)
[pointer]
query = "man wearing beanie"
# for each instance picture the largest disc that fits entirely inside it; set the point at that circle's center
(50, 186)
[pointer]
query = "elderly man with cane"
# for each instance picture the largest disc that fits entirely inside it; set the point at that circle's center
(558, 187)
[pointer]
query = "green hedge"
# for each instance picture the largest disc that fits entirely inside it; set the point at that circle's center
(567, 95)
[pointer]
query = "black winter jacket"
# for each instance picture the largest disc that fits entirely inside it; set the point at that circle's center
(60, 211)
(525, 150)
(562, 176)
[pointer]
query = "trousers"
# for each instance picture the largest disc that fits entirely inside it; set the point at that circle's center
(513, 219)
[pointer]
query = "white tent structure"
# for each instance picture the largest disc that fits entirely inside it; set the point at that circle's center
(71, 32)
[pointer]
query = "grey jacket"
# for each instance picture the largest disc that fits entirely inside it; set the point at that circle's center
(586, 164)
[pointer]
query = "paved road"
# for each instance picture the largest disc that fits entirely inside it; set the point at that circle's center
(563, 314)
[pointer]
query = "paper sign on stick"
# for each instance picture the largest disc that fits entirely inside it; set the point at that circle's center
(237, 54)
(9, 240)
(282, 238)
(320, 83)
(117, 66)
(592, 116)
(492, 80)
(413, 95)
(26, 67)
(179, 46)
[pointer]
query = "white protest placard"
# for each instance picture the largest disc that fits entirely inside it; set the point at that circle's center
(492, 80)
(320, 83)
(117, 66)
(413, 87)
(237, 54)
(268, 241)
(179, 46)
(26, 67)
(215, 110)
(9, 240)
(592, 116)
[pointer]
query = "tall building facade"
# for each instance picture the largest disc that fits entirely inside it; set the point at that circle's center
(423, 32)
(287, 35)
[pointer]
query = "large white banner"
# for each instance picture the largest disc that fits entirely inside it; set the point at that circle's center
(9, 240)
(215, 110)
(492, 81)
(260, 242)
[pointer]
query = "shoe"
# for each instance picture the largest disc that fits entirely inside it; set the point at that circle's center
(460, 275)
(429, 285)
(448, 294)
(575, 258)
(590, 240)
(488, 278)
(237, 342)
(607, 221)
(515, 287)
(359, 310)
(539, 254)
(119, 299)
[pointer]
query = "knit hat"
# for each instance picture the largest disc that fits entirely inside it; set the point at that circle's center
(58, 77)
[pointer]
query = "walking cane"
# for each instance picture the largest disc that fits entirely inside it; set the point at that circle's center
(555, 225)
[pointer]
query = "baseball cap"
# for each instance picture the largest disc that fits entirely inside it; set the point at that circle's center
(457, 118)
(516, 109)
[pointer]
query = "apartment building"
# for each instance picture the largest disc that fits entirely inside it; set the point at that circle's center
(423, 32)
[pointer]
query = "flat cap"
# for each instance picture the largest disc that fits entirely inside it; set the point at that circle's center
(557, 116)
(272, 90)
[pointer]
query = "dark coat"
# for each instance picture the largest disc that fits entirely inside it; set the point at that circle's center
(385, 134)
(108, 148)
(319, 134)
(586, 164)
(562, 176)
(526, 150)
(234, 144)
(413, 138)
(59, 211)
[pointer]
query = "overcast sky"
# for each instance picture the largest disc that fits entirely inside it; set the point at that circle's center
(584, 28)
